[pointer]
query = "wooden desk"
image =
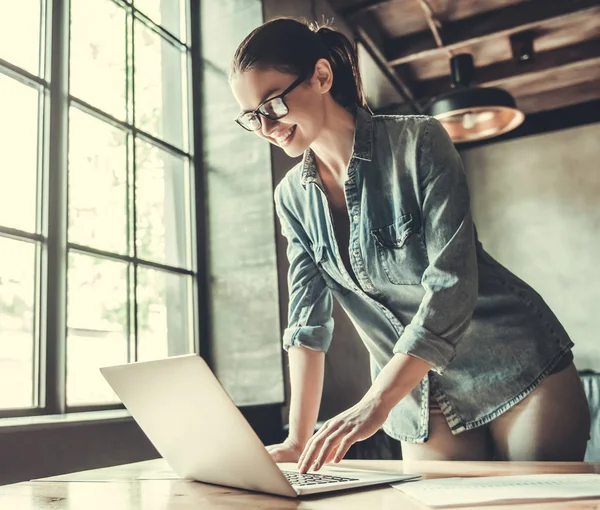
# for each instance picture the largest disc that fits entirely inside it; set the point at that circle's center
(118, 488)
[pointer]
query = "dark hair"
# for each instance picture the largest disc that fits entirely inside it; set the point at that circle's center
(293, 46)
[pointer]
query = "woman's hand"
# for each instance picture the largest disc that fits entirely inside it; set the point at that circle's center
(337, 435)
(288, 451)
(400, 375)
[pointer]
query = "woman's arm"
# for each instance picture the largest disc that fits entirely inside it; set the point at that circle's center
(307, 336)
(400, 375)
(310, 323)
(307, 369)
(397, 379)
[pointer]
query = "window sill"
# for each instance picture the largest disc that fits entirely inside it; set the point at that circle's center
(25, 423)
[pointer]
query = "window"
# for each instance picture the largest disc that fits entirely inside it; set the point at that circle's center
(97, 245)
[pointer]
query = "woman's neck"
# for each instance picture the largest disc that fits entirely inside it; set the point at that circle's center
(333, 147)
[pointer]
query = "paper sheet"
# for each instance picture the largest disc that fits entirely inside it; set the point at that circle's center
(464, 491)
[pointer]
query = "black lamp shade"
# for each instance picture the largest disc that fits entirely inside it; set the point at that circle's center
(471, 113)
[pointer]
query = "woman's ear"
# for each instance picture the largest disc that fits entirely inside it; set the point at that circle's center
(323, 75)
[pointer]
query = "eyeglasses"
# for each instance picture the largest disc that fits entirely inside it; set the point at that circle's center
(274, 109)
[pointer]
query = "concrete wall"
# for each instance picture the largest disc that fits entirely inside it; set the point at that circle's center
(245, 340)
(536, 204)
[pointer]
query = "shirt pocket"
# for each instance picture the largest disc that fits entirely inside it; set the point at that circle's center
(401, 251)
(328, 269)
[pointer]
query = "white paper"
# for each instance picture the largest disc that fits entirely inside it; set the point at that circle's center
(464, 491)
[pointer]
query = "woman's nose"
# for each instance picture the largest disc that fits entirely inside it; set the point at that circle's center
(268, 126)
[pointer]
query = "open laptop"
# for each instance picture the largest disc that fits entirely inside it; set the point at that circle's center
(197, 428)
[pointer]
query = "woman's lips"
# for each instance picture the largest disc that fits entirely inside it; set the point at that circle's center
(286, 137)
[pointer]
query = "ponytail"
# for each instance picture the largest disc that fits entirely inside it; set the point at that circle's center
(347, 86)
(294, 47)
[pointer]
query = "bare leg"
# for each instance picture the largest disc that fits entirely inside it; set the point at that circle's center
(551, 424)
(475, 444)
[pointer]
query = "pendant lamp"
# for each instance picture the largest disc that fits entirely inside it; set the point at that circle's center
(472, 113)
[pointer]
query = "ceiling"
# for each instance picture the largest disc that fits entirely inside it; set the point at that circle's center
(412, 42)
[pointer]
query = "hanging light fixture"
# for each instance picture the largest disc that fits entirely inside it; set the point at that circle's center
(472, 113)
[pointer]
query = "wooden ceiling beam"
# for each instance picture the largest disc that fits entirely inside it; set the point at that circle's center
(581, 71)
(356, 8)
(434, 24)
(541, 65)
(559, 98)
(501, 22)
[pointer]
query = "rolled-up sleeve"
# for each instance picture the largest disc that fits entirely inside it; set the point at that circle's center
(310, 323)
(451, 279)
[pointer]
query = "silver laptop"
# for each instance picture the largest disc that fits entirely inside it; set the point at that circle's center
(197, 428)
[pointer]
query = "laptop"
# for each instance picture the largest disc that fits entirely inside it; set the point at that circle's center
(196, 427)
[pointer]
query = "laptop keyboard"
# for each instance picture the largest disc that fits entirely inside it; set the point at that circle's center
(313, 479)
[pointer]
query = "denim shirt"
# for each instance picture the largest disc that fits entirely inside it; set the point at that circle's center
(423, 283)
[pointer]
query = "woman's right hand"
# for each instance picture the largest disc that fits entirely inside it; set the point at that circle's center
(288, 451)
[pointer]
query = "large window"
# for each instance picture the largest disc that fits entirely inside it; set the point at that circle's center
(97, 252)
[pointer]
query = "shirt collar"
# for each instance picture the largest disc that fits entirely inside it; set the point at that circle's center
(361, 146)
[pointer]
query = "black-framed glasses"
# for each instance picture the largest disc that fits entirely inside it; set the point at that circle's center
(273, 108)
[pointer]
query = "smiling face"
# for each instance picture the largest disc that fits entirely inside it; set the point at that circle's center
(300, 127)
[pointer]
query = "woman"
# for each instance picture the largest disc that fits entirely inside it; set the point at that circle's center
(468, 362)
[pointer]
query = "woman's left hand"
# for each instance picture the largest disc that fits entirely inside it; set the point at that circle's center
(337, 435)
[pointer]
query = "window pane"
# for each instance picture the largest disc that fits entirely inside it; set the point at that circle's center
(20, 33)
(162, 206)
(164, 319)
(17, 309)
(168, 13)
(97, 326)
(18, 157)
(159, 79)
(98, 55)
(97, 184)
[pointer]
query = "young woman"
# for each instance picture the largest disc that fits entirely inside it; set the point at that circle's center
(468, 362)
